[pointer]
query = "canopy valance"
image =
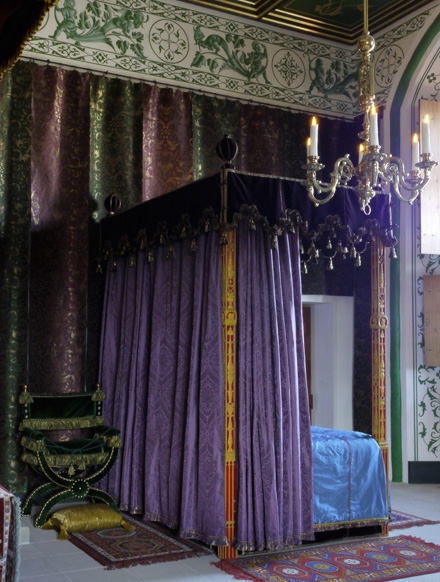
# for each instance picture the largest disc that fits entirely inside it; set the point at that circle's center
(218, 203)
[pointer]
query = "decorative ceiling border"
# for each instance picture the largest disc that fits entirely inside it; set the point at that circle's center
(170, 44)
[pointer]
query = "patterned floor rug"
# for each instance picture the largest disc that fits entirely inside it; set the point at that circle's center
(400, 520)
(375, 560)
(146, 544)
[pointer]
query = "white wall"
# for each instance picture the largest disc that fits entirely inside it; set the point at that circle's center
(332, 327)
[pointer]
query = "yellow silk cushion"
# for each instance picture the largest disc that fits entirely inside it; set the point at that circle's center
(91, 517)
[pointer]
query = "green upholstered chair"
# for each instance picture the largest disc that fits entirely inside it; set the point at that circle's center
(70, 466)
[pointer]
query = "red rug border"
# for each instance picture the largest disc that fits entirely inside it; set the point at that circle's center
(194, 550)
(233, 570)
(421, 521)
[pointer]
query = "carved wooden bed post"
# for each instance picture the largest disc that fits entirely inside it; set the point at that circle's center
(379, 324)
(229, 320)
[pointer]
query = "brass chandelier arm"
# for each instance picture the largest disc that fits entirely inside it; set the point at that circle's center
(342, 173)
(392, 170)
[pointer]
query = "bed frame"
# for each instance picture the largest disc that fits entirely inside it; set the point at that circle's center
(380, 236)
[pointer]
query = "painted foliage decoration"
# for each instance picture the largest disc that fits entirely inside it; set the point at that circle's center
(230, 52)
(428, 377)
(98, 22)
(157, 41)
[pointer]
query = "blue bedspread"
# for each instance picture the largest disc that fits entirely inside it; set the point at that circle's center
(349, 480)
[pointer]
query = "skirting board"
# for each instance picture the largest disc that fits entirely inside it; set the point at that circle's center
(424, 471)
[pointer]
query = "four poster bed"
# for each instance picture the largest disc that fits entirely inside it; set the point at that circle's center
(202, 363)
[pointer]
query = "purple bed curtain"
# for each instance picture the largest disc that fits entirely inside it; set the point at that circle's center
(161, 369)
(161, 361)
(275, 487)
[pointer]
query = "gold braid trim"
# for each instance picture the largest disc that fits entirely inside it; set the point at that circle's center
(278, 544)
(54, 395)
(66, 460)
(111, 441)
(10, 62)
(33, 445)
(348, 524)
(39, 446)
(61, 423)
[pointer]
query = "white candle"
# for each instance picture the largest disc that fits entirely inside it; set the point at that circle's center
(308, 147)
(415, 151)
(426, 136)
(361, 153)
(314, 137)
(374, 129)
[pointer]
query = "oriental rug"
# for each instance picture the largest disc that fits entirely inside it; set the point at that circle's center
(401, 520)
(373, 560)
(147, 544)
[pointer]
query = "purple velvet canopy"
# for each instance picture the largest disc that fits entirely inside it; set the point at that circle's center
(162, 359)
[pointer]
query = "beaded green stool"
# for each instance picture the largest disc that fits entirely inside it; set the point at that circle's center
(71, 466)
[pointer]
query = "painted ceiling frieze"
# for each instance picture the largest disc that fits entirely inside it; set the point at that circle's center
(175, 45)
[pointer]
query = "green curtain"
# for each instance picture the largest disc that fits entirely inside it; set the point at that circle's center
(167, 151)
(212, 119)
(15, 217)
(68, 140)
(115, 142)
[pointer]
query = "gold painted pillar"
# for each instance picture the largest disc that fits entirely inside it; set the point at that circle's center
(379, 324)
(229, 320)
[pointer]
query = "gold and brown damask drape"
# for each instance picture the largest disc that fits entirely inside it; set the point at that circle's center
(67, 141)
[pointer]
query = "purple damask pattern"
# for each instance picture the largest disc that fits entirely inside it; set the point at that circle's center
(59, 239)
(260, 140)
(275, 485)
(161, 369)
(167, 140)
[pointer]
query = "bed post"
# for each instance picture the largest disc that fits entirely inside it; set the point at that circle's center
(229, 319)
(379, 324)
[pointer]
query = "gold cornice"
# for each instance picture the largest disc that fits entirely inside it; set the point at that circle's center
(272, 12)
(231, 7)
(314, 24)
(327, 34)
(266, 6)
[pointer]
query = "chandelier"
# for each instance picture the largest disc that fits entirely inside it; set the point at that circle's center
(374, 168)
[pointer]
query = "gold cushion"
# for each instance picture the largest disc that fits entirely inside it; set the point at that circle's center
(91, 517)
